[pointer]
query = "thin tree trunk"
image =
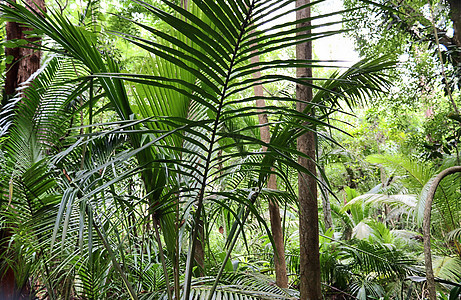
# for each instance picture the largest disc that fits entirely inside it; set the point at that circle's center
(455, 16)
(327, 219)
(281, 278)
(25, 61)
(427, 229)
(309, 272)
(13, 31)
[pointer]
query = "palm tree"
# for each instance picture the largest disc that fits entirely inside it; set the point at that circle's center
(130, 193)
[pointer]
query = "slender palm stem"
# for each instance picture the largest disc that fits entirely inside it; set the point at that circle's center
(162, 258)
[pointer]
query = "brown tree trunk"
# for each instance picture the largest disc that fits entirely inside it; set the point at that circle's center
(309, 272)
(25, 61)
(455, 16)
(427, 229)
(11, 78)
(281, 278)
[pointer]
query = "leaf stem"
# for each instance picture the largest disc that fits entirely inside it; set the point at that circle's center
(162, 258)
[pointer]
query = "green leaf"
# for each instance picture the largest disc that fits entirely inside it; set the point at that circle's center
(14, 43)
(9, 59)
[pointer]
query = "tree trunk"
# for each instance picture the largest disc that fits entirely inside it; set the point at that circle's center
(327, 219)
(11, 78)
(455, 16)
(25, 61)
(309, 272)
(281, 278)
(427, 229)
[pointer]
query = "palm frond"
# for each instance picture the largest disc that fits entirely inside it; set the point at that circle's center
(419, 173)
(454, 235)
(235, 286)
(448, 268)
(356, 84)
(376, 257)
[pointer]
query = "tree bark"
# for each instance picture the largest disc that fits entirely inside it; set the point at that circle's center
(25, 60)
(310, 285)
(455, 16)
(281, 278)
(427, 229)
(11, 77)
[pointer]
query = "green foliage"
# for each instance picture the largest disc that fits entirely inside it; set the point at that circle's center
(360, 267)
(114, 179)
(157, 160)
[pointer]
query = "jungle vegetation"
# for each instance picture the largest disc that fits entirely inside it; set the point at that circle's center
(207, 149)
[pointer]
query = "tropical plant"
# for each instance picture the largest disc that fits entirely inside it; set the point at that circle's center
(419, 180)
(175, 132)
(127, 196)
(362, 268)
